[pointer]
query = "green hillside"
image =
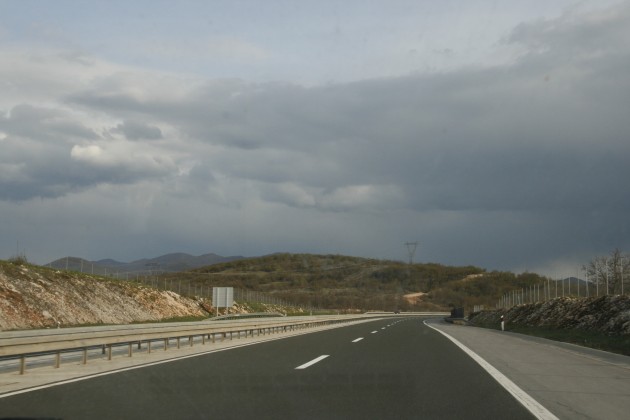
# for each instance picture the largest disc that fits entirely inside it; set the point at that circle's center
(352, 283)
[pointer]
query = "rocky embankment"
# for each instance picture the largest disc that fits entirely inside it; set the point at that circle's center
(38, 297)
(606, 314)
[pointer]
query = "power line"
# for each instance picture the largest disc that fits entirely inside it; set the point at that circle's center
(411, 249)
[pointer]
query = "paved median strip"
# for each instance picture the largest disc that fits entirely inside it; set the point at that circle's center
(312, 362)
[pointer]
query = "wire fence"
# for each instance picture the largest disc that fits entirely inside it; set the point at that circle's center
(552, 289)
(185, 287)
(193, 289)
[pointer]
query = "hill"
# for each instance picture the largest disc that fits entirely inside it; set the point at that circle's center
(353, 283)
(32, 296)
(166, 263)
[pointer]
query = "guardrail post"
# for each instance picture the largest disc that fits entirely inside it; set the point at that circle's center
(130, 350)
(109, 352)
(165, 344)
(190, 340)
(22, 364)
(149, 346)
(84, 355)
(178, 340)
(213, 338)
(203, 339)
(57, 359)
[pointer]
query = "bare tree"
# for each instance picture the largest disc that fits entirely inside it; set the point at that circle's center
(608, 272)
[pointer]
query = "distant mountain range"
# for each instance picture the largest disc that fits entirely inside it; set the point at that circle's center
(166, 263)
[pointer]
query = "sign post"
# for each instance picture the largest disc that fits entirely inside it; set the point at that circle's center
(222, 297)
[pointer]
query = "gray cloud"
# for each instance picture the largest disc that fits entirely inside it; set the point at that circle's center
(45, 153)
(39, 123)
(136, 130)
(507, 166)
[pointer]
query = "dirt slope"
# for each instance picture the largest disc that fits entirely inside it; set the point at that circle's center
(37, 297)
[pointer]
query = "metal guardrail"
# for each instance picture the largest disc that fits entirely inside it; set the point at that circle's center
(244, 316)
(407, 313)
(56, 342)
(22, 345)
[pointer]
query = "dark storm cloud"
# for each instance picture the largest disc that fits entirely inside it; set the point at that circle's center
(529, 135)
(534, 149)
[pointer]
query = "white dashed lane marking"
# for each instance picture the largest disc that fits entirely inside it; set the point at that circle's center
(312, 362)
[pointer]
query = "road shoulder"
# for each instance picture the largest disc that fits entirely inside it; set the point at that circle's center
(570, 381)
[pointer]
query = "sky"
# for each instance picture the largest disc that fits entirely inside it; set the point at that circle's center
(492, 133)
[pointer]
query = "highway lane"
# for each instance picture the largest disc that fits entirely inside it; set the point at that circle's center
(391, 368)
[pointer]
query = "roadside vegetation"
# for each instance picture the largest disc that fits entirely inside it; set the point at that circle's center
(599, 322)
(351, 284)
(619, 344)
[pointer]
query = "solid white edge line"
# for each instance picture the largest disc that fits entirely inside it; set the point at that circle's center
(312, 362)
(521, 396)
(357, 340)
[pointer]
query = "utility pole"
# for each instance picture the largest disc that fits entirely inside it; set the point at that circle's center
(411, 249)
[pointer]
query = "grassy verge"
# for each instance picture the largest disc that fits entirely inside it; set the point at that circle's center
(612, 343)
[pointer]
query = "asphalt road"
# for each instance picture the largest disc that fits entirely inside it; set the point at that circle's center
(396, 368)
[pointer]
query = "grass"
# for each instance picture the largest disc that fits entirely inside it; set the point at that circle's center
(619, 344)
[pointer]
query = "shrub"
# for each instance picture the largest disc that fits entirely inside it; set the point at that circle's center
(19, 260)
